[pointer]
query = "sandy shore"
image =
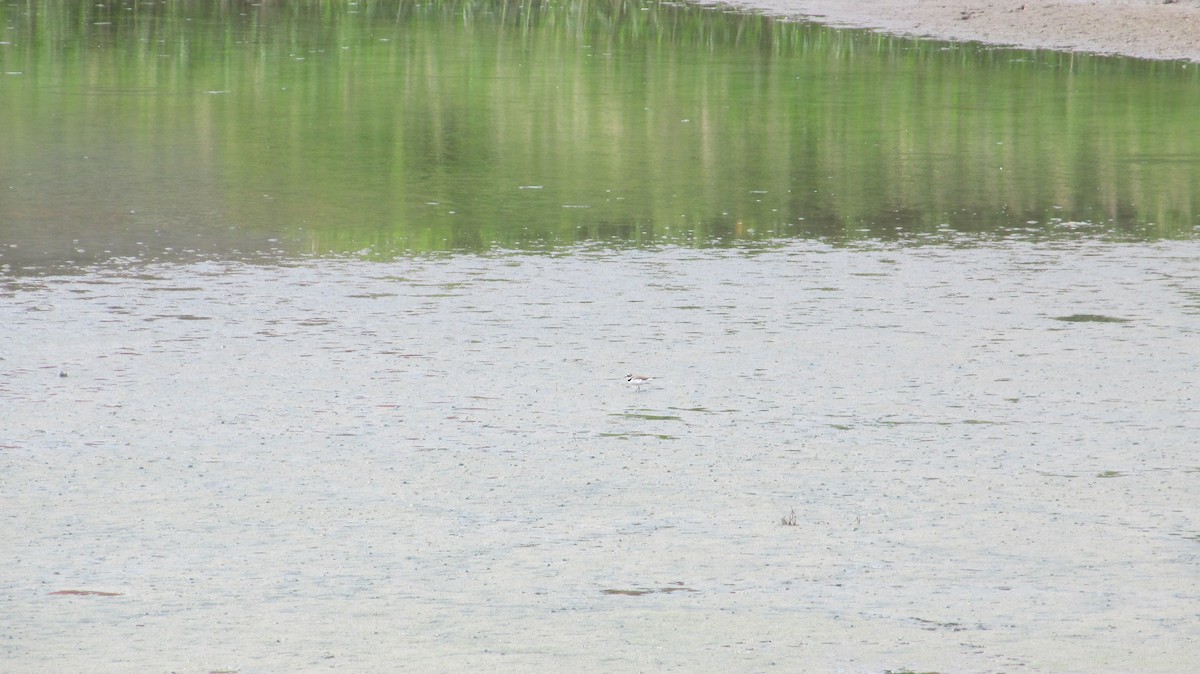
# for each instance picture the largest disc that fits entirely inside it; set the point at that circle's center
(1154, 29)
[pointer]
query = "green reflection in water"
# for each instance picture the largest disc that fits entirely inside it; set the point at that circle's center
(164, 129)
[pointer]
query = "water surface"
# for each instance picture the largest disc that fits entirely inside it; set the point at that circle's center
(316, 317)
(436, 464)
(167, 130)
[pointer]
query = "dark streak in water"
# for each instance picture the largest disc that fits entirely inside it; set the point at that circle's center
(1090, 318)
(646, 590)
(650, 417)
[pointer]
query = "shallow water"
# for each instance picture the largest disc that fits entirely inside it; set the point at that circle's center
(435, 463)
(316, 318)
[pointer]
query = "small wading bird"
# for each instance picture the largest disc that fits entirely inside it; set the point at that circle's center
(637, 380)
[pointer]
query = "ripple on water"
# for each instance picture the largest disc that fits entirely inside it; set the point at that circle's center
(336, 439)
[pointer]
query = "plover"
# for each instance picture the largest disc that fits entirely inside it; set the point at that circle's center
(637, 380)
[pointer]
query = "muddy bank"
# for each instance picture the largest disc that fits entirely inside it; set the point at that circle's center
(1142, 28)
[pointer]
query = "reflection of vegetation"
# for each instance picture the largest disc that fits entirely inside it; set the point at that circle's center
(472, 124)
